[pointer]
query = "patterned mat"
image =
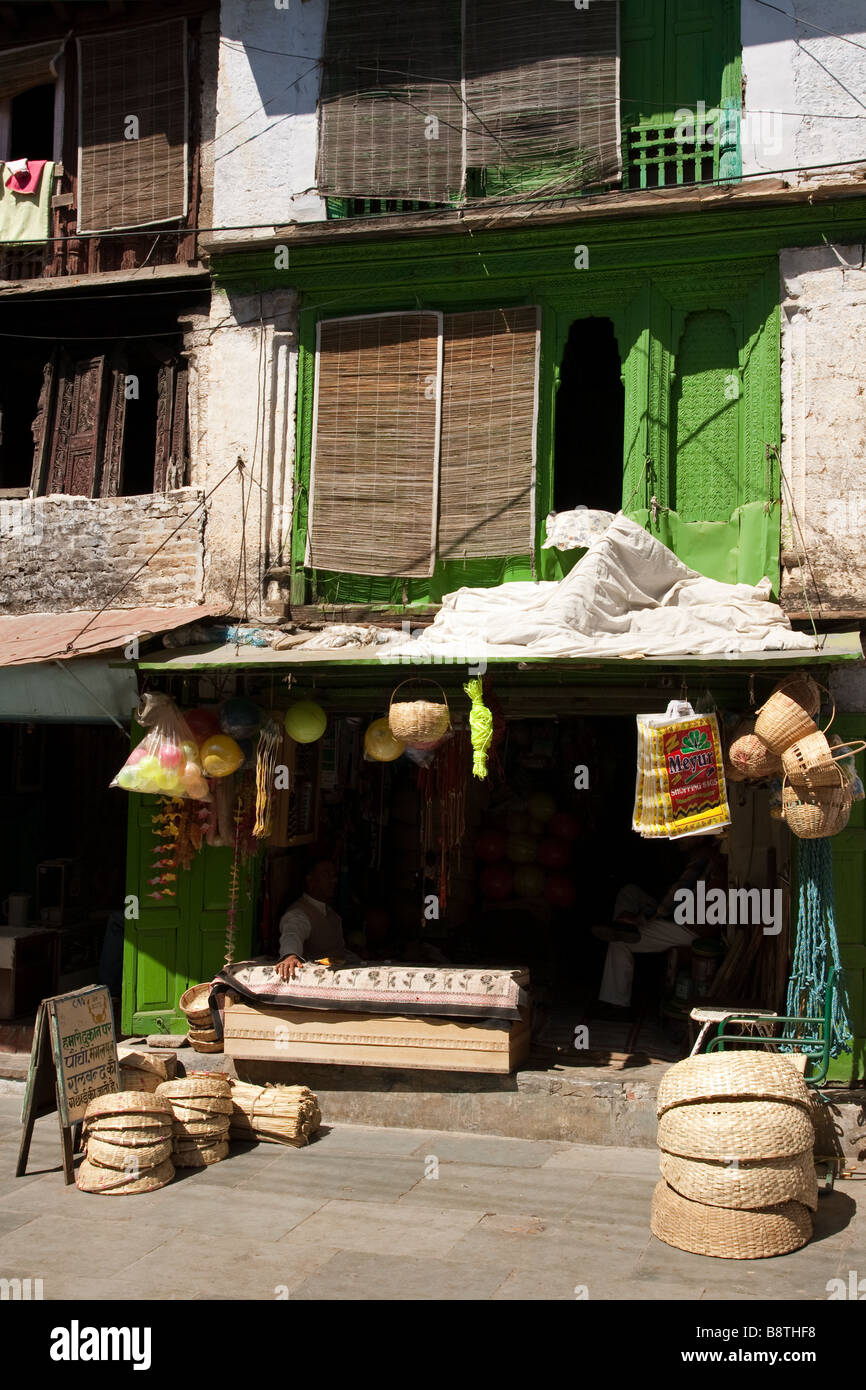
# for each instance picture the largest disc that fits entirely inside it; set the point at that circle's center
(451, 991)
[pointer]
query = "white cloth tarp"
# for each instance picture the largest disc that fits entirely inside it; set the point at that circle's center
(628, 596)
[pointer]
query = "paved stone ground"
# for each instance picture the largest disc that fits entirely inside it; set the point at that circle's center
(354, 1216)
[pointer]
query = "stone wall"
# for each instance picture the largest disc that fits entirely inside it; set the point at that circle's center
(60, 554)
(823, 296)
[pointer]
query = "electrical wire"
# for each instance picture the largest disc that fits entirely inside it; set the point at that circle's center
(807, 23)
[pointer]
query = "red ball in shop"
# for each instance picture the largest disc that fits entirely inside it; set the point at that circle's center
(564, 826)
(497, 881)
(490, 846)
(560, 891)
(554, 854)
(202, 723)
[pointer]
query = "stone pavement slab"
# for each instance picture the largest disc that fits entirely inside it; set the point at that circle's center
(389, 1229)
(354, 1275)
(490, 1148)
(490, 1189)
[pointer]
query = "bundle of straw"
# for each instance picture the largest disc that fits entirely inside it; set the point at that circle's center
(274, 1114)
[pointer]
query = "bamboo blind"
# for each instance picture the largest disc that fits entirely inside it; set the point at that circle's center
(21, 68)
(542, 82)
(139, 73)
(489, 389)
(391, 117)
(374, 473)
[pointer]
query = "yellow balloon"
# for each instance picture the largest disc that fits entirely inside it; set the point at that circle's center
(220, 756)
(380, 744)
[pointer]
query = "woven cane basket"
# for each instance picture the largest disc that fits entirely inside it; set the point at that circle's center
(788, 713)
(110, 1182)
(742, 1129)
(817, 814)
(419, 723)
(128, 1103)
(201, 1107)
(206, 1046)
(184, 1088)
(203, 1035)
(726, 1231)
(122, 1129)
(746, 1186)
(215, 1128)
(111, 1155)
(201, 1156)
(730, 1076)
(193, 1002)
(752, 758)
(811, 762)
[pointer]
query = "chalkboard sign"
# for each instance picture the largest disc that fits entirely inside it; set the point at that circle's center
(73, 1060)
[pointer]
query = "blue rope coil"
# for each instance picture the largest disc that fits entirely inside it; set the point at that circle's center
(816, 946)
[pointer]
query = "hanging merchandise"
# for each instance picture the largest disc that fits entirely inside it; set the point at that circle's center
(305, 721)
(480, 727)
(845, 761)
(202, 723)
(239, 717)
(680, 777)
(166, 762)
(816, 813)
(267, 753)
(166, 835)
(380, 745)
(443, 807)
(816, 948)
(749, 756)
(419, 723)
(221, 756)
(787, 714)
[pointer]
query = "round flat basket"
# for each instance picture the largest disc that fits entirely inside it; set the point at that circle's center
(746, 1186)
(195, 1000)
(127, 1103)
(110, 1155)
(110, 1182)
(201, 1157)
(202, 1107)
(125, 1133)
(203, 1035)
(730, 1075)
(726, 1232)
(202, 1128)
(186, 1087)
(736, 1129)
(206, 1046)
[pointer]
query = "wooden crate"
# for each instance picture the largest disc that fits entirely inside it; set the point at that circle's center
(375, 1040)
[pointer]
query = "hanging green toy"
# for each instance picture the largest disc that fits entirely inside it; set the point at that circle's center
(480, 727)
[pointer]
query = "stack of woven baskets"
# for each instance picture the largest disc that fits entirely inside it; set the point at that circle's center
(738, 1173)
(784, 741)
(201, 1107)
(202, 1035)
(274, 1114)
(128, 1144)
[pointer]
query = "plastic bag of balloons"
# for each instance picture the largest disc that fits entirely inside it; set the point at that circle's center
(167, 761)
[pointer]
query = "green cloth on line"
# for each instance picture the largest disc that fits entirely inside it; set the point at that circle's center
(26, 216)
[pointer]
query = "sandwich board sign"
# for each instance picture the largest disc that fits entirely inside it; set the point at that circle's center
(73, 1060)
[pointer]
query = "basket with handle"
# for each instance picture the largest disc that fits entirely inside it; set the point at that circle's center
(817, 814)
(811, 762)
(749, 754)
(419, 723)
(789, 713)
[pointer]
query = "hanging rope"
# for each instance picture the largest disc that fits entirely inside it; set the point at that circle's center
(480, 727)
(816, 946)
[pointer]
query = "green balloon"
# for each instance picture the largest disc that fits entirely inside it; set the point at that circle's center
(305, 721)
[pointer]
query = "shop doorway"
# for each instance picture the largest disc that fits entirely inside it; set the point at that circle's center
(590, 415)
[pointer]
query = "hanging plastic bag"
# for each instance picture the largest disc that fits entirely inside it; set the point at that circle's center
(680, 787)
(166, 762)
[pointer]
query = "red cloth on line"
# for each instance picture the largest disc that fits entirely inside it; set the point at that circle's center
(27, 180)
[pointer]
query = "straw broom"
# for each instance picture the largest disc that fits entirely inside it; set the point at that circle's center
(275, 1114)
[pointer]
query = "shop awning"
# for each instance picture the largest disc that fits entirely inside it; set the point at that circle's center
(89, 691)
(835, 647)
(29, 638)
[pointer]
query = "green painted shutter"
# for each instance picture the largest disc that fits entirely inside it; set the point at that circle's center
(177, 942)
(849, 878)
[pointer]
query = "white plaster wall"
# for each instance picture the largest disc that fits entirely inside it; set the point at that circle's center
(803, 87)
(823, 294)
(242, 382)
(265, 140)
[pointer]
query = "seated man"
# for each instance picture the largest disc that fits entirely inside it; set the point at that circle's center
(642, 925)
(310, 929)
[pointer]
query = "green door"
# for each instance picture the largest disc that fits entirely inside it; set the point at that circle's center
(849, 878)
(177, 941)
